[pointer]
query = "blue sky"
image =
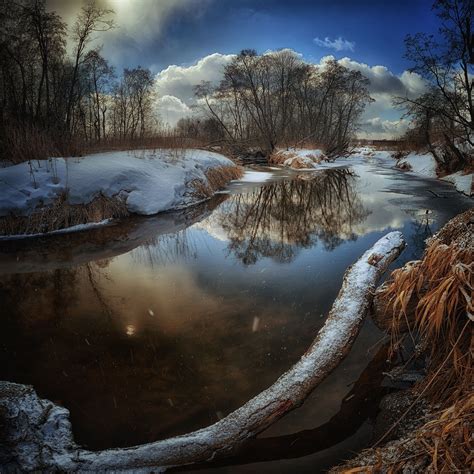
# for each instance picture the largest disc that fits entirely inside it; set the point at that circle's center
(377, 28)
(186, 41)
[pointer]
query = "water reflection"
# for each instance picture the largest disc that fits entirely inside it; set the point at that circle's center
(277, 220)
(157, 326)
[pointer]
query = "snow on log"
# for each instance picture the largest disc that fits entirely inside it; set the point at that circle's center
(39, 435)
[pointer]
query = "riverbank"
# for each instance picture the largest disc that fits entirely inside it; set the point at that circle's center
(424, 164)
(419, 164)
(45, 196)
(427, 303)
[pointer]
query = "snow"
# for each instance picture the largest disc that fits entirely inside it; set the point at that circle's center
(425, 165)
(73, 228)
(256, 176)
(462, 182)
(300, 158)
(149, 181)
(421, 164)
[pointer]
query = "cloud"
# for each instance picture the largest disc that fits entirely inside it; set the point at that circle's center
(378, 120)
(176, 84)
(180, 80)
(338, 44)
(138, 23)
(171, 109)
(383, 129)
(383, 81)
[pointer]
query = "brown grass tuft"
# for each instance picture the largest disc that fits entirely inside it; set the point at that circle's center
(61, 214)
(434, 298)
(217, 179)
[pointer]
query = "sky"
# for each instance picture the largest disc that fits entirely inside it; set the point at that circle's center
(186, 41)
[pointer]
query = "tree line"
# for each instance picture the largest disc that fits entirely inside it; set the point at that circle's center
(66, 93)
(276, 98)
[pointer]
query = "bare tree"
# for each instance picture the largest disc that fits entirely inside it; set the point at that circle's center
(445, 61)
(277, 99)
(91, 19)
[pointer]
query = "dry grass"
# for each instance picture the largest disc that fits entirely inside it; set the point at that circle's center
(444, 444)
(30, 143)
(19, 144)
(217, 179)
(440, 289)
(61, 214)
(433, 297)
(147, 143)
(279, 157)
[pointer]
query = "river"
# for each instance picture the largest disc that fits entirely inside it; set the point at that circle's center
(156, 326)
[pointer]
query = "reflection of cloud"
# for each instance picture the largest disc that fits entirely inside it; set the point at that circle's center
(278, 220)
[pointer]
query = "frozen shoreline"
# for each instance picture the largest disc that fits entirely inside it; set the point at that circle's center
(144, 182)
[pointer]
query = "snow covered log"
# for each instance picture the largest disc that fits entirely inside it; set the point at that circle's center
(39, 437)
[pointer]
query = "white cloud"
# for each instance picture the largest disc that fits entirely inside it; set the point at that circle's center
(338, 44)
(383, 129)
(378, 120)
(382, 80)
(180, 80)
(175, 84)
(171, 109)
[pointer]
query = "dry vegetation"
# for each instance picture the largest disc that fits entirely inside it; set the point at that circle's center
(61, 214)
(217, 179)
(431, 300)
(279, 157)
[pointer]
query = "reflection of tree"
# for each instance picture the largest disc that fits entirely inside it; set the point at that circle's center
(167, 248)
(422, 221)
(278, 219)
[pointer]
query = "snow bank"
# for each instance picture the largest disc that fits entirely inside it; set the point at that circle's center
(421, 164)
(462, 182)
(149, 181)
(298, 158)
(425, 165)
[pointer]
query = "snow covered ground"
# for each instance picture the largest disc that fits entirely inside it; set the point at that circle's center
(149, 181)
(425, 165)
(462, 182)
(299, 158)
(421, 164)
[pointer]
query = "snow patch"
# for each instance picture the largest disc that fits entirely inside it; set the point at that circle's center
(421, 164)
(149, 181)
(462, 182)
(73, 228)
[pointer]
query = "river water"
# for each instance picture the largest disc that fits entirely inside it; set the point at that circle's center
(157, 326)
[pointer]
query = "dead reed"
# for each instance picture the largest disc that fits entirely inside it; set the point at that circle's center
(216, 179)
(61, 214)
(433, 298)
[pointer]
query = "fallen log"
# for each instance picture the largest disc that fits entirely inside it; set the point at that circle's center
(39, 436)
